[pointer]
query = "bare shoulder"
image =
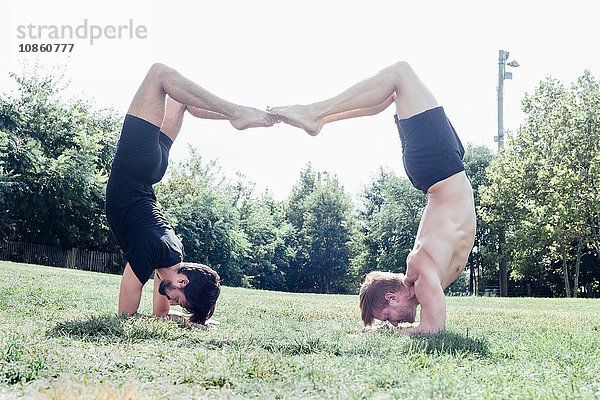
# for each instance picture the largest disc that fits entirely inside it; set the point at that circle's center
(428, 279)
(427, 259)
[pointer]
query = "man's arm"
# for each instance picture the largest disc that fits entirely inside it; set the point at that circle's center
(430, 295)
(130, 293)
(161, 306)
(160, 303)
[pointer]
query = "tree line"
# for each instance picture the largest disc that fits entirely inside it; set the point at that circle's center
(538, 201)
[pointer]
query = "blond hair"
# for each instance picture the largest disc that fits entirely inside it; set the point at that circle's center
(373, 290)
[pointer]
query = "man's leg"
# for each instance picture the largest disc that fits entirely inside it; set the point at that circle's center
(173, 119)
(365, 98)
(149, 101)
(205, 114)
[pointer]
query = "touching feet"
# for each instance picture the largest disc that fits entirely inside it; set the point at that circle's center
(248, 117)
(298, 116)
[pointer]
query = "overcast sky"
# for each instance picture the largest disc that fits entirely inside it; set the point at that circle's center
(261, 53)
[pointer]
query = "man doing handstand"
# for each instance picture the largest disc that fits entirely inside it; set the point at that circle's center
(138, 225)
(432, 156)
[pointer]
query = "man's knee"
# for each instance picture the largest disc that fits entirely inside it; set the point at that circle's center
(158, 71)
(158, 77)
(399, 73)
(402, 67)
(402, 71)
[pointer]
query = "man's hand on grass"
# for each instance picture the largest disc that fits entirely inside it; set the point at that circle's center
(184, 319)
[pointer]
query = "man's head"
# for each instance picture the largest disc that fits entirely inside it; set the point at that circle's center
(384, 296)
(196, 289)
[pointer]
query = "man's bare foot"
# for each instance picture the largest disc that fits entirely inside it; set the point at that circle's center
(297, 116)
(247, 117)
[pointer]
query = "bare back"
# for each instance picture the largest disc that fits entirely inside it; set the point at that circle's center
(447, 229)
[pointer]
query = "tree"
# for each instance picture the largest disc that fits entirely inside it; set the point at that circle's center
(54, 165)
(390, 217)
(268, 233)
(544, 185)
(327, 234)
(201, 206)
(295, 210)
(320, 214)
(476, 160)
(8, 181)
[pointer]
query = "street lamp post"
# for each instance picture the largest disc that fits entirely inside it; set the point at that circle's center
(502, 75)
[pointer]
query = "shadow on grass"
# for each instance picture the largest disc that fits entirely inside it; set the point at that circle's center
(370, 344)
(374, 345)
(306, 344)
(448, 343)
(94, 327)
(291, 346)
(113, 328)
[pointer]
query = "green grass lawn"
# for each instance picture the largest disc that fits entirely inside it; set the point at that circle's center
(60, 339)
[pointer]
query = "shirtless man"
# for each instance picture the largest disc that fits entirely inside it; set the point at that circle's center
(138, 225)
(432, 155)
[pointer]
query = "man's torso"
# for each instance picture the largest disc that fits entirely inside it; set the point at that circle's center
(447, 230)
(139, 227)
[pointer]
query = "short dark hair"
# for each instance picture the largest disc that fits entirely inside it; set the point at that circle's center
(202, 291)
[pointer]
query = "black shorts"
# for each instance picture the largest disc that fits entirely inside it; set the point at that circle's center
(431, 149)
(142, 152)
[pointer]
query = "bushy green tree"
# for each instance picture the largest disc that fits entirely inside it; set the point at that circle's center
(390, 216)
(482, 268)
(201, 206)
(268, 233)
(320, 213)
(327, 233)
(54, 165)
(295, 210)
(544, 186)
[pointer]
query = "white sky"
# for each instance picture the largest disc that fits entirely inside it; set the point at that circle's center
(260, 53)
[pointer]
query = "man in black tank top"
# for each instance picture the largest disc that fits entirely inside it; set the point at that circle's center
(146, 238)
